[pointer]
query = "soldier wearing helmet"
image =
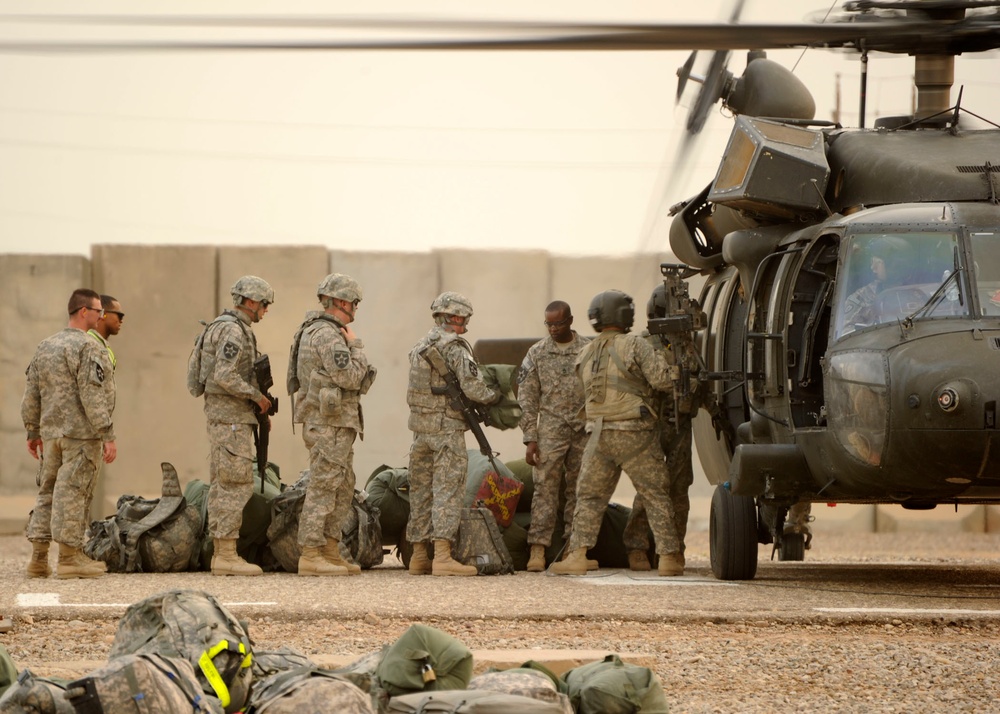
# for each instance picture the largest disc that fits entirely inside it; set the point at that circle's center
(327, 374)
(620, 374)
(228, 352)
(438, 458)
(551, 397)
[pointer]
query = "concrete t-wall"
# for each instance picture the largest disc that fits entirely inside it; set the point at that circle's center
(166, 290)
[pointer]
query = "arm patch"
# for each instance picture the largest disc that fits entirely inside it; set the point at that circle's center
(230, 350)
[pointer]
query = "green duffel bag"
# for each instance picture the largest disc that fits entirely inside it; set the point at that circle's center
(424, 659)
(609, 550)
(8, 670)
(505, 414)
(519, 541)
(526, 475)
(612, 686)
(252, 543)
(389, 491)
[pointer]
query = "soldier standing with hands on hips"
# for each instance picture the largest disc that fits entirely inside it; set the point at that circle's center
(438, 457)
(67, 411)
(223, 361)
(328, 362)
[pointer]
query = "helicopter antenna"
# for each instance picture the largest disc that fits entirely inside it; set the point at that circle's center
(864, 89)
(958, 110)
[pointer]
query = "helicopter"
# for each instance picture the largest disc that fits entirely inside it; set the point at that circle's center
(826, 399)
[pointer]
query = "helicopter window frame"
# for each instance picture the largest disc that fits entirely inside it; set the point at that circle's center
(888, 276)
(984, 257)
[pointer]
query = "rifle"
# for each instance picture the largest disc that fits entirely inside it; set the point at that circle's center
(262, 437)
(473, 412)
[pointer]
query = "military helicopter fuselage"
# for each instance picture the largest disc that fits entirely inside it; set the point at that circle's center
(852, 310)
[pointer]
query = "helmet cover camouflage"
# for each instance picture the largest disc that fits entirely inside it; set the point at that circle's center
(656, 307)
(340, 286)
(253, 288)
(452, 303)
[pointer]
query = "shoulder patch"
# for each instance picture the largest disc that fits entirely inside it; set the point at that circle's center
(341, 358)
(99, 372)
(473, 368)
(230, 350)
(523, 370)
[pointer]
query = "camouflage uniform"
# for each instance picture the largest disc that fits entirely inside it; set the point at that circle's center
(68, 403)
(675, 440)
(620, 416)
(551, 399)
(859, 308)
(334, 373)
(229, 351)
(438, 458)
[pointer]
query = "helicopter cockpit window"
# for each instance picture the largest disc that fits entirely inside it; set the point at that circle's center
(891, 276)
(986, 259)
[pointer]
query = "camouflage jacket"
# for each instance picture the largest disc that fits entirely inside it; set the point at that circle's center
(70, 391)
(228, 354)
(332, 373)
(431, 413)
(549, 392)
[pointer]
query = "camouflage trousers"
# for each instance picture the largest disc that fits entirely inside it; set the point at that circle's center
(438, 470)
(560, 456)
(677, 445)
(66, 480)
(331, 483)
(231, 471)
(638, 453)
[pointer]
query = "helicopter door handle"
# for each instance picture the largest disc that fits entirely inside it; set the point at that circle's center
(764, 336)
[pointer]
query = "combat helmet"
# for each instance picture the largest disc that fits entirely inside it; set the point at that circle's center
(340, 286)
(656, 307)
(253, 288)
(612, 308)
(452, 303)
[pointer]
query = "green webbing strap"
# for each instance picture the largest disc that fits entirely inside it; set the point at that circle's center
(138, 696)
(207, 665)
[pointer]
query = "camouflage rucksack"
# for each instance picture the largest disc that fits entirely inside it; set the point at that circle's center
(471, 702)
(194, 626)
(479, 543)
(524, 682)
(37, 695)
(360, 542)
(151, 536)
(161, 684)
(307, 689)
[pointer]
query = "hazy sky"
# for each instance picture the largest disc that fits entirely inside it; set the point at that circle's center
(376, 151)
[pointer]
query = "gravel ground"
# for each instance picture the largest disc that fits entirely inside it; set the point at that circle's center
(740, 661)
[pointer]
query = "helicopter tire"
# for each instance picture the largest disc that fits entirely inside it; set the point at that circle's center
(793, 547)
(733, 535)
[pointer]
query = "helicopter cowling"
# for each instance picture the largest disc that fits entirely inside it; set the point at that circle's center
(698, 229)
(767, 89)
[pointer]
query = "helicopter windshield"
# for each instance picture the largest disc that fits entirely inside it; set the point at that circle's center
(891, 276)
(986, 253)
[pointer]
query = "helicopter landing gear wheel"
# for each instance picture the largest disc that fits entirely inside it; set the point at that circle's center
(733, 536)
(793, 547)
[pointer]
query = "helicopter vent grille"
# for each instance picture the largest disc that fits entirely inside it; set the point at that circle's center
(979, 169)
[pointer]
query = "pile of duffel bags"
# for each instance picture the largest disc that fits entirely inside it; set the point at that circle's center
(183, 651)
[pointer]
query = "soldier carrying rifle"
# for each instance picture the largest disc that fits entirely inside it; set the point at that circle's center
(438, 458)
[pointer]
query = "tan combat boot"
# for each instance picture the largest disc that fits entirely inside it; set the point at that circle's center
(226, 561)
(591, 564)
(671, 564)
(575, 563)
(637, 560)
(73, 563)
(420, 564)
(312, 562)
(331, 552)
(444, 564)
(38, 566)
(536, 563)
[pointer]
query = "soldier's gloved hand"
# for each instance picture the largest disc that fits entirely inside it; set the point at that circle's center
(531, 453)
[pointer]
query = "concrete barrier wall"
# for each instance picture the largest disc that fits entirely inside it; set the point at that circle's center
(166, 290)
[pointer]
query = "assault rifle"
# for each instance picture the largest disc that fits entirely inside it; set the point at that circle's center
(473, 412)
(262, 440)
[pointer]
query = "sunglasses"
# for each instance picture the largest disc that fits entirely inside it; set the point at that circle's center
(121, 315)
(88, 307)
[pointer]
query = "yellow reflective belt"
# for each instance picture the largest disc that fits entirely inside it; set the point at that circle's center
(212, 673)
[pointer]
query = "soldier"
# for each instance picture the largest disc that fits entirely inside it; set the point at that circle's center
(328, 363)
(438, 458)
(109, 324)
(228, 352)
(675, 438)
(620, 373)
(67, 411)
(551, 399)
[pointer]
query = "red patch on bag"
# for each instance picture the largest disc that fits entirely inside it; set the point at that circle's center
(500, 494)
